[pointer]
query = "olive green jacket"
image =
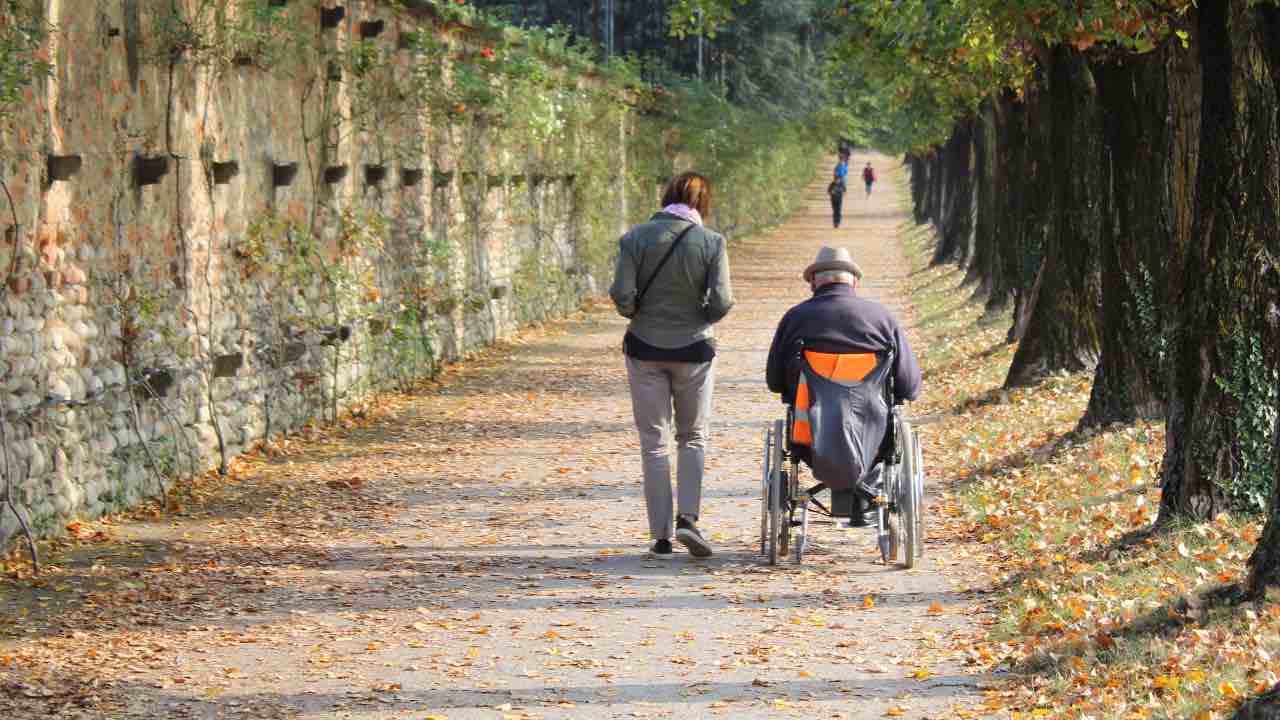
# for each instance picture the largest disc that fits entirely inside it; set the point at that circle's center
(689, 295)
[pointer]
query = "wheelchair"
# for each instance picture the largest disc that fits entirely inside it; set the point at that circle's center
(786, 503)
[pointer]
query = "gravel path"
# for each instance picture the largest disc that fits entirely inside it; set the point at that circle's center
(478, 552)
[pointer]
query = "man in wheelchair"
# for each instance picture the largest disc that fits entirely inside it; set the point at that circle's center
(833, 359)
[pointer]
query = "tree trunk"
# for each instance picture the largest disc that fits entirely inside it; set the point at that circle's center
(984, 265)
(595, 23)
(1062, 331)
(1151, 110)
(932, 187)
(1011, 148)
(1264, 564)
(919, 187)
(1036, 196)
(937, 186)
(956, 225)
(967, 198)
(1220, 448)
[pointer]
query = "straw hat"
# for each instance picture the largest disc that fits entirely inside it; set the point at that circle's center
(830, 258)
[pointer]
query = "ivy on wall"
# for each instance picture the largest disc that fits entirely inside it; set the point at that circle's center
(429, 143)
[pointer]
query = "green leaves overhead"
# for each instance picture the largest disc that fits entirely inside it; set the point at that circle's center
(922, 64)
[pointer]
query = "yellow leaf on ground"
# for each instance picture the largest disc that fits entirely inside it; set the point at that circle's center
(1166, 682)
(895, 711)
(868, 602)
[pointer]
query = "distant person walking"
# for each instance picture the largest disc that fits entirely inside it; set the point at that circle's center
(672, 282)
(869, 177)
(837, 188)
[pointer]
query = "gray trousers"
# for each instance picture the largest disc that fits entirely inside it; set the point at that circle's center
(658, 388)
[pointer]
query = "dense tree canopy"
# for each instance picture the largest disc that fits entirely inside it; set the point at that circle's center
(760, 55)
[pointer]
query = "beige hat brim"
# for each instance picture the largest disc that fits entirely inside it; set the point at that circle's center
(844, 265)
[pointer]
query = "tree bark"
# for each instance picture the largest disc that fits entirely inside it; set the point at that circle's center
(1011, 148)
(1062, 330)
(956, 224)
(919, 187)
(1151, 106)
(984, 265)
(1036, 197)
(1264, 564)
(937, 186)
(932, 187)
(1217, 447)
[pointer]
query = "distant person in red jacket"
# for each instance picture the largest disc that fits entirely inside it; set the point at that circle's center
(868, 177)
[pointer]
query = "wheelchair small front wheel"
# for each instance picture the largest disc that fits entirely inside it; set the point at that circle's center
(884, 536)
(802, 537)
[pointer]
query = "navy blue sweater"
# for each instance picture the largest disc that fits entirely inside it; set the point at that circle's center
(836, 320)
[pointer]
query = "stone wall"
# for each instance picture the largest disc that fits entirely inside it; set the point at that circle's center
(213, 239)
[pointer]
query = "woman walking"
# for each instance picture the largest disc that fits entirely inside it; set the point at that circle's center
(672, 281)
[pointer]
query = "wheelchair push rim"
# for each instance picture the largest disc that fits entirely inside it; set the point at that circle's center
(907, 498)
(917, 484)
(764, 491)
(775, 493)
(801, 505)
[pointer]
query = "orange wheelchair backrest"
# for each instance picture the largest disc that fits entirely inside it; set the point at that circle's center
(841, 367)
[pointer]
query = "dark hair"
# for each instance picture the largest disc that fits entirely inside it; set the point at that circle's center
(690, 189)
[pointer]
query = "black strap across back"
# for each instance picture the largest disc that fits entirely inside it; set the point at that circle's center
(661, 263)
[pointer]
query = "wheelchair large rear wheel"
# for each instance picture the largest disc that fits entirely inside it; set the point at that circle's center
(890, 518)
(917, 484)
(800, 501)
(765, 473)
(908, 500)
(787, 517)
(777, 500)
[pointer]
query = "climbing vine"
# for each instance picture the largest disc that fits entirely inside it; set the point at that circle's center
(220, 34)
(1254, 388)
(455, 177)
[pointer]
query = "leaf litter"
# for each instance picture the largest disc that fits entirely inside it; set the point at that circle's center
(475, 549)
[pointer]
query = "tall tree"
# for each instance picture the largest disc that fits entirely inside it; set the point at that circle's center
(1264, 564)
(1221, 405)
(1061, 331)
(1151, 110)
(956, 223)
(985, 269)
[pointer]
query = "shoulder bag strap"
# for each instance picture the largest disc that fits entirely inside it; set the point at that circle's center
(670, 251)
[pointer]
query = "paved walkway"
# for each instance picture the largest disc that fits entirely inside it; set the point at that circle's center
(478, 553)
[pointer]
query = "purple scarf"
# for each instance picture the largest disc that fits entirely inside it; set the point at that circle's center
(684, 211)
